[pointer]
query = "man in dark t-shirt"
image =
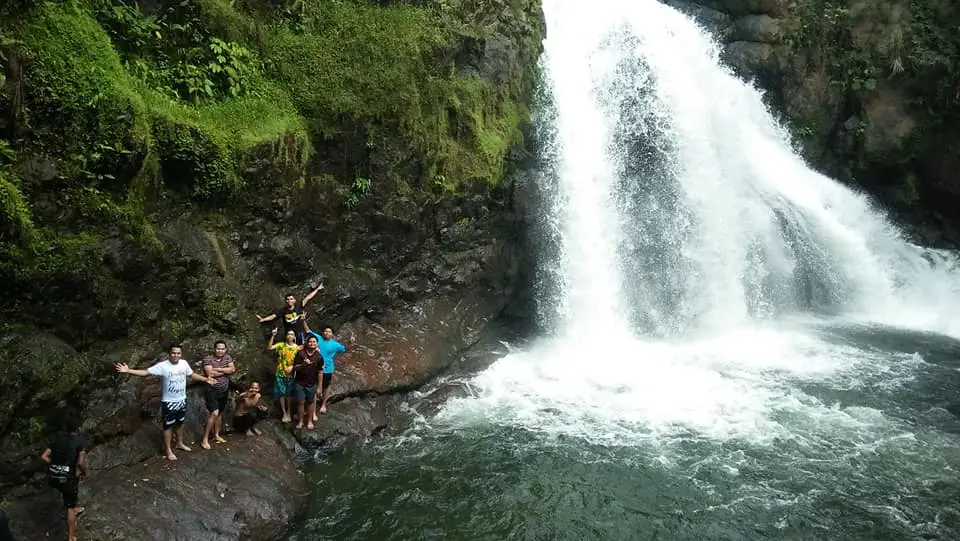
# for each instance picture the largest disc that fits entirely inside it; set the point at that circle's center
(66, 459)
(306, 378)
(291, 315)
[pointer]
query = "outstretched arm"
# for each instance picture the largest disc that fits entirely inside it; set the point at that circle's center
(202, 379)
(124, 369)
(263, 319)
(312, 294)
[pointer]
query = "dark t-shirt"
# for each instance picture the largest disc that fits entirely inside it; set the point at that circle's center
(306, 367)
(65, 451)
(223, 382)
(291, 318)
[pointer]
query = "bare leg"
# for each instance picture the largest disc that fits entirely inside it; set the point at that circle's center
(72, 513)
(216, 430)
(300, 406)
(208, 428)
(323, 404)
(167, 437)
(285, 406)
(312, 413)
(180, 443)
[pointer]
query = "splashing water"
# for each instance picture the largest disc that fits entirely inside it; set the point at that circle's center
(695, 248)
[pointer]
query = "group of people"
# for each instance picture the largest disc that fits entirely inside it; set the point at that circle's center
(304, 372)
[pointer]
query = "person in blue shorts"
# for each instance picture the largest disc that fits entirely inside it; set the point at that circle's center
(329, 348)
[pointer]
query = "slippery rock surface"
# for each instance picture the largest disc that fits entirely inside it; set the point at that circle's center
(248, 488)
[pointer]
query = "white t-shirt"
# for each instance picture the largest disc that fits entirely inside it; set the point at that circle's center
(174, 379)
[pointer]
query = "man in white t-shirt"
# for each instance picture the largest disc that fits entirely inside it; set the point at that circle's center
(173, 403)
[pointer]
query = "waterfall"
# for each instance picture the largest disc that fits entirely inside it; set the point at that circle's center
(696, 252)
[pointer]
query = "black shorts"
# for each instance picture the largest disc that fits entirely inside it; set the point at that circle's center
(216, 400)
(69, 488)
(327, 378)
(173, 414)
(245, 422)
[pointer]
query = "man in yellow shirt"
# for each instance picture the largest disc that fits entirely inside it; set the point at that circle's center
(283, 377)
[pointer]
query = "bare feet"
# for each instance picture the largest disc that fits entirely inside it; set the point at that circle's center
(299, 425)
(257, 431)
(205, 444)
(286, 419)
(221, 440)
(249, 432)
(183, 446)
(323, 409)
(315, 418)
(309, 426)
(171, 456)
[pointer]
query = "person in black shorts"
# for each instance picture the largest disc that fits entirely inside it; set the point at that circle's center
(219, 366)
(66, 458)
(249, 411)
(291, 315)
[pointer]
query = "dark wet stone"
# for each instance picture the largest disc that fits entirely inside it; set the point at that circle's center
(248, 488)
(351, 419)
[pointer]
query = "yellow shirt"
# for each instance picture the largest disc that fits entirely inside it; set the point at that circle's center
(285, 355)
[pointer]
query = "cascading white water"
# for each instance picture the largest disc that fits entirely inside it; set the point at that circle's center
(692, 241)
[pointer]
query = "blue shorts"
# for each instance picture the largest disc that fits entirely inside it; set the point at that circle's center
(304, 392)
(282, 386)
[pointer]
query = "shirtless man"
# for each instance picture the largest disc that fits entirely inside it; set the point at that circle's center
(249, 411)
(173, 404)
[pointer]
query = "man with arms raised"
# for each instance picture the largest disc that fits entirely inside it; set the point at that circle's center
(66, 459)
(306, 380)
(218, 366)
(173, 403)
(291, 315)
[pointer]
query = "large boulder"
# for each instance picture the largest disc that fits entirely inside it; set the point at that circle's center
(249, 488)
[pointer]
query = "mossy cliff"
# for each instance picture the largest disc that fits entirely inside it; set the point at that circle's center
(869, 88)
(168, 168)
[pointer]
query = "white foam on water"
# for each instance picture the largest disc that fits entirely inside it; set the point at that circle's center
(762, 235)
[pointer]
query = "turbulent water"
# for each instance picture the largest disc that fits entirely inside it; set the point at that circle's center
(741, 349)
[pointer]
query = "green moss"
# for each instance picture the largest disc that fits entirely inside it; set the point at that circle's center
(16, 218)
(378, 65)
(79, 84)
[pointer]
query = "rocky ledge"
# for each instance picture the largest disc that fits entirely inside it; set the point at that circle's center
(252, 487)
(249, 488)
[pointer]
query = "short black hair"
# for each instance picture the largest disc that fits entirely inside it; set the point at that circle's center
(312, 336)
(71, 422)
(218, 342)
(174, 345)
(289, 295)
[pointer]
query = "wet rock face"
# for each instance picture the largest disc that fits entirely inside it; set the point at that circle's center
(248, 488)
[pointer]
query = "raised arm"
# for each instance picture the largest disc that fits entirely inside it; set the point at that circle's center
(46, 455)
(312, 294)
(124, 369)
(270, 345)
